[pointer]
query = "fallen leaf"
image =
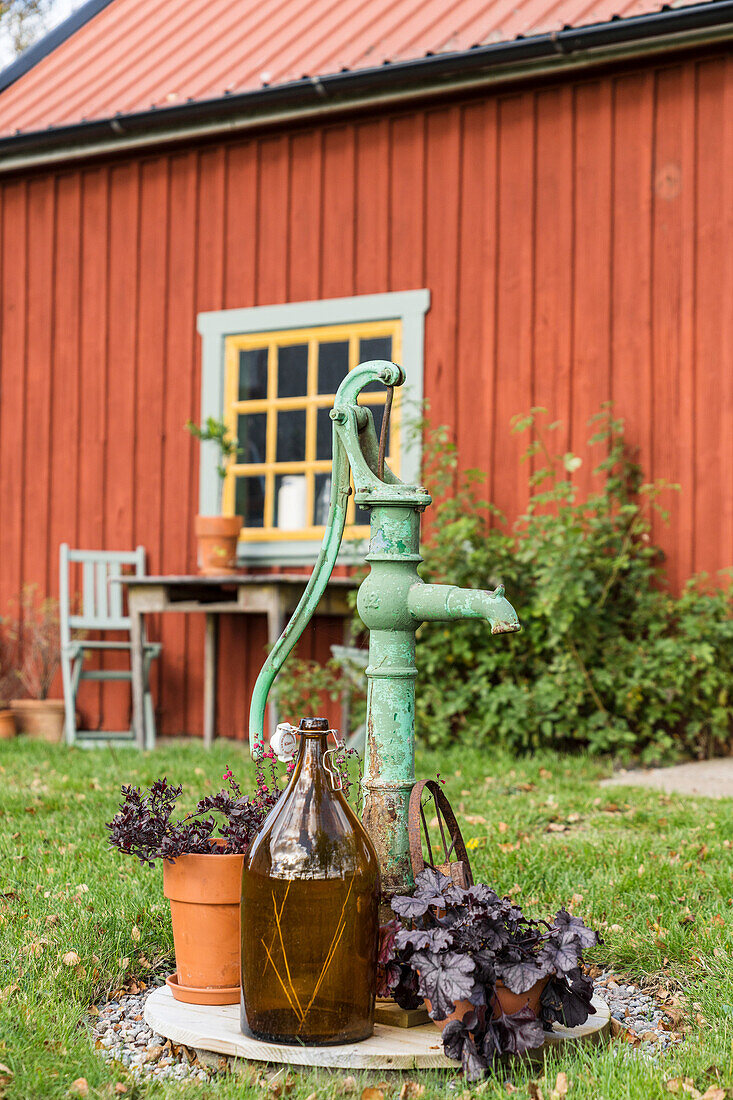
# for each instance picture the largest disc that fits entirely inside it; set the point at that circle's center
(120, 1089)
(556, 827)
(348, 1084)
(80, 1087)
(135, 934)
(411, 1090)
(535, 1092)
(502, 826)
(561, 1087)
(372, 1094)
(510, 1088)
(545, 774)
(71, 959)
(714, 1093)
(474, 819)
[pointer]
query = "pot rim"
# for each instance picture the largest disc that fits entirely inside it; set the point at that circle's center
(51, 704)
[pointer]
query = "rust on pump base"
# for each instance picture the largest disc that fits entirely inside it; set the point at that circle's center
(392, 602)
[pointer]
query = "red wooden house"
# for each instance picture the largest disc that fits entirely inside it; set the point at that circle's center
(220, 206)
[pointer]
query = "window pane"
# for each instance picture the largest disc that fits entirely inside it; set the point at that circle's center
(249, 501)
(377, 347)
(290, 502)
(253, 374)
(324, 434)
(290, 435)
(333, 365)
(322, 500)
(292, 371)
(251, 433)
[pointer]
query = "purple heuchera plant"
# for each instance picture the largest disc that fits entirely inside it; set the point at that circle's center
(458, 944)
(144, 828)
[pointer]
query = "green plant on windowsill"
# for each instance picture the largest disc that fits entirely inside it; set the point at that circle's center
(217, 535)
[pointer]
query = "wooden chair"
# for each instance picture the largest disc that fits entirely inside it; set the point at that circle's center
(102, 612)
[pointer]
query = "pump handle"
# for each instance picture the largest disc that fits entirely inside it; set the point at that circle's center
(378, 370)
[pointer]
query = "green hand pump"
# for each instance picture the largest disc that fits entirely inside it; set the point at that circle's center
(392, 602)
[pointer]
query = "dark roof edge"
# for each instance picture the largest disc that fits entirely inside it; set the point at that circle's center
(338, 89)
(35, 53)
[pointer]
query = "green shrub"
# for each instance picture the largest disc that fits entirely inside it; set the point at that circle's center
(608, 658)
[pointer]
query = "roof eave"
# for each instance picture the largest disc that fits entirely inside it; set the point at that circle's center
(499, 62)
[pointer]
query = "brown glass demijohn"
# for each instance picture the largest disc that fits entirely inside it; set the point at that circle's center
(309, 920)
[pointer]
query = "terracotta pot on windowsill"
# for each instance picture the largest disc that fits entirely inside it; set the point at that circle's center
(40, 719)
(217, 538)
(204, 893)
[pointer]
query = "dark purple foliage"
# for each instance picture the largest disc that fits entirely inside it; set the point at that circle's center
(460, 943)
(144, 828)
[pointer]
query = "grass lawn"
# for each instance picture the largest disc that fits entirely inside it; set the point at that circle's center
(653, 872)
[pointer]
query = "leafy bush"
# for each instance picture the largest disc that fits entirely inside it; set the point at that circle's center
(608, 658)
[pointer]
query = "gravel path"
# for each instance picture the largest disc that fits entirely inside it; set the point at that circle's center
(120, 1032)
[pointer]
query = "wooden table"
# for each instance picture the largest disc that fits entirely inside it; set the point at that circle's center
(275, 596)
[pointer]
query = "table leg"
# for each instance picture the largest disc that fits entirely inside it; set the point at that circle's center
(138, 674)
(210, 647)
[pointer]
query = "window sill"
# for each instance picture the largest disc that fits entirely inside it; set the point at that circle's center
(298, 552)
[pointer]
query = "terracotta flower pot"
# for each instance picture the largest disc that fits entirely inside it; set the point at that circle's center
(7, 725)
(217, 544)
(40, 719)
(205, 892)
(508, 1002)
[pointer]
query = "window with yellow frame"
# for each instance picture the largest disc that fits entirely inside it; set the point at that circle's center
(279, 388)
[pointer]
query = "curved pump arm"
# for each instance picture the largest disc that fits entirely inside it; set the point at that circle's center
(364, 467)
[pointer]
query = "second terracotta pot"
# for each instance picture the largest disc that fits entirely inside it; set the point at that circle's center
(204, 892)
(7, 725)
(40, 719)
(217, 538)
(508, 1002)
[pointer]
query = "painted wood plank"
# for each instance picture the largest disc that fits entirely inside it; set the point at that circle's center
(476, 287)
(179, 471)
(40, 383)
(12, 380)
(552, 352)
(592, 268)
(217, 1028)
(65, 410)
(673, 306)
(443, 158)
(514, 300)
(304, 214)
(633, 138)
(406, 219)
(240, 226)
(337, 218)
(713, 377)
(94, 372)
(371, 224)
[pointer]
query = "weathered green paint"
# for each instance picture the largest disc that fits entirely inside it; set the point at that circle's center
(392, 602)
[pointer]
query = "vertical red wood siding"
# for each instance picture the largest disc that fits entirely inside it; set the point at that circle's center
(577, 241)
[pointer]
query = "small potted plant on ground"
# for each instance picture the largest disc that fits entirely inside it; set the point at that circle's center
(217, 536)
(35, 634)
(492, 979)
(8, 686)
(202, 872)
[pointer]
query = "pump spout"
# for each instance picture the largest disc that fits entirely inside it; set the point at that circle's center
(443, 602)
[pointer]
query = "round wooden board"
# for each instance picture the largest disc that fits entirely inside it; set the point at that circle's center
(216, 1028)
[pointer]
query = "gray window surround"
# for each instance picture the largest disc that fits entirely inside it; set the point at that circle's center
(407, 306)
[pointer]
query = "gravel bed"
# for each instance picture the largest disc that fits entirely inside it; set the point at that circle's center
(121, 1034)
(120, 1031)
(640, 1017)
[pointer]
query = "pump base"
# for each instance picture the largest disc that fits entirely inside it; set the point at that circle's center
(217, 1029)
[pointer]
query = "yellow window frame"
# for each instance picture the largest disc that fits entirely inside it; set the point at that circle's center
(311, 402)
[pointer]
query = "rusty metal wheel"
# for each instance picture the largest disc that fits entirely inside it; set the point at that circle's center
(427, 797)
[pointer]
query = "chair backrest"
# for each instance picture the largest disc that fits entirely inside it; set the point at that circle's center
(101, 601)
